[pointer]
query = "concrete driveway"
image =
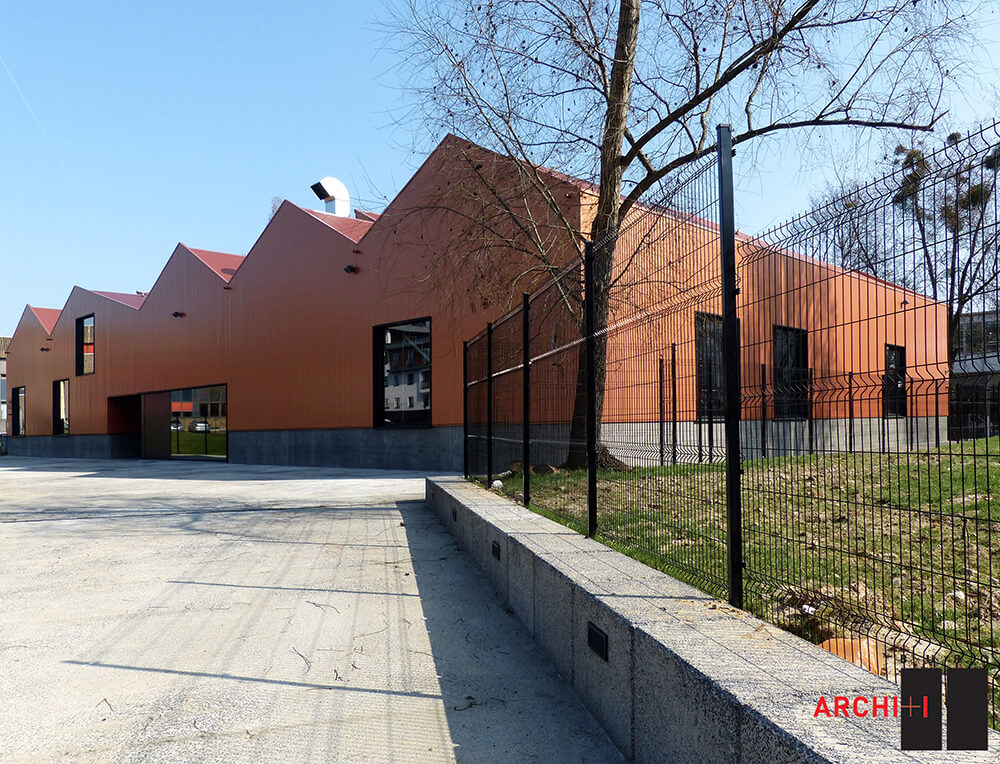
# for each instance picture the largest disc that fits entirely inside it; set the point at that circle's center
(174, 612)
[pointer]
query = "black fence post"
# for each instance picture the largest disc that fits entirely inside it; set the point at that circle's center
(697, 421)
(465, 408)
(809, 407)
(763, 411)
(850, 411)
(526, 397)
(731, 364)
(489, 404)
(711, 413)
(937, 414)
(663, 418)
(673, 403)
(590, 339)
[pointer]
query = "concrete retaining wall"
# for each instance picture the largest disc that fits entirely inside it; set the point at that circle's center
(686, 677)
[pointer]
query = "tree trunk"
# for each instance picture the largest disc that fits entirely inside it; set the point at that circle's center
(603, 234)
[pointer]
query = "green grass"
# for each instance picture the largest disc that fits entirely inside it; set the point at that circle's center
(834, 545)
(198, 443)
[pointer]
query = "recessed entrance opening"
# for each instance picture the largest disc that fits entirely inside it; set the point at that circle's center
(198, 423)
(190, 423)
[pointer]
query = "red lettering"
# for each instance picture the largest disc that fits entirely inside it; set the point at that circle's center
(840, 704)
(895, 706)
(860, 699)
(821, 707)
(883, 704)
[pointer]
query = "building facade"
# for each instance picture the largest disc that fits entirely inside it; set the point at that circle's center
(339, 340)
(4, 343)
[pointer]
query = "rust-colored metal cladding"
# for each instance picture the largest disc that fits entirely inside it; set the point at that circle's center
(301, 331)
(288, 328)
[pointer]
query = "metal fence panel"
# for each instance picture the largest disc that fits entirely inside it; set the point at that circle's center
(864, 446)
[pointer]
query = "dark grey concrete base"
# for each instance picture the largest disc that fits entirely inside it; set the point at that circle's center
(76, 446)
(431, 449)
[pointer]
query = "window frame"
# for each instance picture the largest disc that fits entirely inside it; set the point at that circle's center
(707, 409)
(81, 345)
(790, 405)
(895, 392)
(60, 400)
(16, 411)
(421, 418)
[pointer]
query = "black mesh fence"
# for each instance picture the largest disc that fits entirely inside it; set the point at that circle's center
(860, 474)
(870, 501)
(661, 489)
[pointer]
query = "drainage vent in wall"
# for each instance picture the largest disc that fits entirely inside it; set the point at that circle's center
(496, 551)
(597, 640)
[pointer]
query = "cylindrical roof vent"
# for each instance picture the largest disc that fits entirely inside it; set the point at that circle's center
(334, 194)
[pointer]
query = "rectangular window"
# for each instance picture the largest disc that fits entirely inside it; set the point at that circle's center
(17, 411)
(708, 365)
(894, 382)
(791, 373)
(60, 407)
(402, 354)
(85, 345)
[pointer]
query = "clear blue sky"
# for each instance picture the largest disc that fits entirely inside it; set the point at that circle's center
(132, 127)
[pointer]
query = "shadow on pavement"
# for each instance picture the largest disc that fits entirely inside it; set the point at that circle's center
(155, 469)
(504, 701)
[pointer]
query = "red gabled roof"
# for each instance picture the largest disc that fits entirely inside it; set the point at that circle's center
(223, 264)
(352, 228)
(47, 317)
(365, 215)
(132, 300)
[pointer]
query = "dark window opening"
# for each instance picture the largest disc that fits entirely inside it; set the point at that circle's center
(402, 359)
(791, 373)
(17, 411)
(894, 382)
(60, 407)
(708, 366)
(85, 345)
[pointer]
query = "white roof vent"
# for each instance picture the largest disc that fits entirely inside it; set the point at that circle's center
(334, 194)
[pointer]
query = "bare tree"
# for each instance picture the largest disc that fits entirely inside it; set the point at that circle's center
(276, 202)
(948, 197)
(622, 95)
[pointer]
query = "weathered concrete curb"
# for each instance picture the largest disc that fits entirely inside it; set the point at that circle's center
(687, 678)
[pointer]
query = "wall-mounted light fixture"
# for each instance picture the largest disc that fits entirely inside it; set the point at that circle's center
(227, 288)
(45, 349)
(352, 269)
(178, 314)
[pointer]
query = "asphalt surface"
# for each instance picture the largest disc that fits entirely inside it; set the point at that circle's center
(175, 612)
